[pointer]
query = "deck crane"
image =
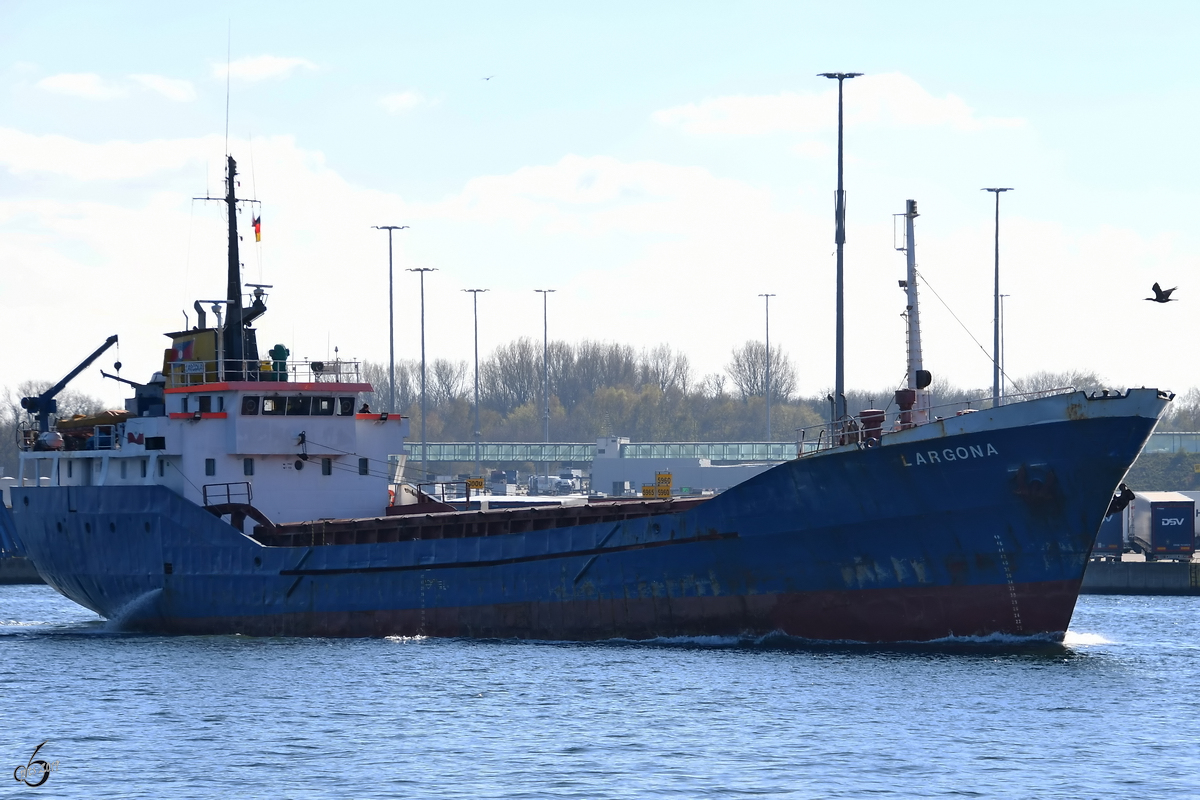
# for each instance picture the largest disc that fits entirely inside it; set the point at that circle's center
(44, 404)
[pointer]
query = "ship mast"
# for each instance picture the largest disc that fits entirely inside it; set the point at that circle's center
(914, 313)
(914, 401)
(234, 327)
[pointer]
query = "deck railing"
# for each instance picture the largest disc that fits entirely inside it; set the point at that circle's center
(849, 430)
(216, 494)
(190, 373)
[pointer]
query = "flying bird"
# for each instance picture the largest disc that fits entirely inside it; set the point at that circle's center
(1161, 295)
(489, 77)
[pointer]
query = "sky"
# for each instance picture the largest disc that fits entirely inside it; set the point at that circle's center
(659, 166)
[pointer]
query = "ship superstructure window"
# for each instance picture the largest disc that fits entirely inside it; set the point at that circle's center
(250, 405)
(326, 466)
(363, 466)
(273, 406)
(299, 406)
(205, 404)
(322, 406)
(124, 469)
(210, 466)
(183, 404)
(156, 443)
(162, 468)
(247, 466)
(70, 469)
(345, 407)
(143, 467)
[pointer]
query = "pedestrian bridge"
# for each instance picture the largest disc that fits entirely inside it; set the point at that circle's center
(715, 452)
(586, 452)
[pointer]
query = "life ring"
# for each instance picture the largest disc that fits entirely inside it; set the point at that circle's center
(391, 498)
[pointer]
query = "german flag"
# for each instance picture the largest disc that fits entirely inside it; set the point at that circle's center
(258, 229)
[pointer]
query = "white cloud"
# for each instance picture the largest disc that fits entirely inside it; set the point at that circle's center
(257, 68)
(23, 153)
(82, 84)
(180, 91)
(890, 99)
(401, 101)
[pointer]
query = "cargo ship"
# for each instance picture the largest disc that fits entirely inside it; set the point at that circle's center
(252, 495)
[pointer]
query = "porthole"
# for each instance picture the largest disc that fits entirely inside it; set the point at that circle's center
(112, 527)
(257, 561)
(87, 527)
(26, 499)
(299, 464)
(147, 527)
(59, 524)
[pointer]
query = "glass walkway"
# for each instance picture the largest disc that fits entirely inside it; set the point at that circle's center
(575, 453)
(716, 452)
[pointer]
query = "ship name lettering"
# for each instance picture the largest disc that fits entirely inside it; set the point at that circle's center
(949, 454)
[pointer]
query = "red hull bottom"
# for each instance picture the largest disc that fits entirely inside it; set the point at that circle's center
(879, 616)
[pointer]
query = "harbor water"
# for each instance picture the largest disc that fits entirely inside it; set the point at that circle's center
(1113, 712)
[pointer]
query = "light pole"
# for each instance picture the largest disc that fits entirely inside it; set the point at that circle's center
(996, 313)
(546, 368)
(839, 375)
(424, 444)
(767, 299)
(478, 433)
(391, 320)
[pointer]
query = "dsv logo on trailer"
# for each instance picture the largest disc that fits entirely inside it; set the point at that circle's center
(1172, 521)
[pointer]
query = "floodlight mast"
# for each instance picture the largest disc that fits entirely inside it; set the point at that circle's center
(839, 380)
(391, 319)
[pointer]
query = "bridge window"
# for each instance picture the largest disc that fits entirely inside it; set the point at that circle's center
(299, 406)
(206, 404)
(247, 466)
(345, 406)
(273, 406)
(156, 443)
(323, 406)
(250, 404)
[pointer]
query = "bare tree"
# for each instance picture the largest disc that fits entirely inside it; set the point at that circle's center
(511, 376)
(747, 369)
(712, 385)
(666, 369)
(447, 380)
(1044, 381)
(408, 384)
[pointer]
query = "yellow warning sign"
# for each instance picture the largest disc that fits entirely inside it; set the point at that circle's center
(475, 484)
(663, 491)
(662, 478)
(648, 490)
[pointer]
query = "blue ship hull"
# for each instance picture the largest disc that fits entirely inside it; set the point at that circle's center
(966, 529)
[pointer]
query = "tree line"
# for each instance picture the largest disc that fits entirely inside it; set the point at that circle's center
(606, 388)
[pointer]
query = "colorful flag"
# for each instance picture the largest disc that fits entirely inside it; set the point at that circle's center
(184, 350)
(258, 229)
